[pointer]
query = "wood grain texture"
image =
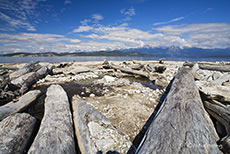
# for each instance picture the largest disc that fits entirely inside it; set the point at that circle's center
(181, 124)
(82, 114)
(15, 132)
(55, 134)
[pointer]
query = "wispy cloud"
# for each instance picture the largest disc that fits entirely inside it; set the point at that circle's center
(82, 29)
(67, 2)
(207, 10)
(129, 12)
(167, 22)
(97, 17)
(137, 1)
(16, 14)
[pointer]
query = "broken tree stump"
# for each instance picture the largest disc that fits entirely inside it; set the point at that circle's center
(55, 134)
(15, 132)
(181, 124)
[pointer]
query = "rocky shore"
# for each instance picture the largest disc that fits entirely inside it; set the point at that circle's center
(101, 107)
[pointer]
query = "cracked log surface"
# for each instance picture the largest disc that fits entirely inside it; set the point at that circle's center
(181, 124)
(56, 131)
(15, 132)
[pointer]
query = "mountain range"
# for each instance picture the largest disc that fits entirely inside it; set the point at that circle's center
(172, 51)
(176, 51)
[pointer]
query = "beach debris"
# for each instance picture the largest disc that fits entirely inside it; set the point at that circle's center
(181, 125)
(23, 102)
(95, 132)
(15, 133)
(55, 134)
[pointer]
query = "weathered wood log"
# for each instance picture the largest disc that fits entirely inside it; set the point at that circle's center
(55, 134)
(135, 72)
(23, 102)
(25, 69)
(15, 132)
(210, 67)
(215, 68)
(181, 124)
(27, 80)
(42, 72)
(94, 131)
(221, 112)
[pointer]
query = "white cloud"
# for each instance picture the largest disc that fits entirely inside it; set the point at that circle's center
(130, 12)
(208, 9)
(67, 2)
(206, 35)
(82, 29)
(97, 17)
(16, 14)
(167, 22)
(32, 42)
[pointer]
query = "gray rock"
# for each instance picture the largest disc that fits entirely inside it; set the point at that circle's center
(56, 131)
(23, 102)
(160, 68)
(15, 132)
(108, 79)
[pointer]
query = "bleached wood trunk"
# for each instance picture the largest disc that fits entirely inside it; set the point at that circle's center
(55, 134)
(15, 132)
(23, 102)
(25, 69)
(82, 114)
(181, 124)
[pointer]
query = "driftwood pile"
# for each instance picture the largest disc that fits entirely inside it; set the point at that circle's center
(19, 82)
(191, 119)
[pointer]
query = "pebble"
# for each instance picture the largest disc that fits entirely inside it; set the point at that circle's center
(92, 95)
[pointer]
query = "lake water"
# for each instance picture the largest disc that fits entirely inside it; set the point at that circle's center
(101, 58)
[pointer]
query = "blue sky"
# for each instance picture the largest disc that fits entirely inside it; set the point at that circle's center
(90, 25)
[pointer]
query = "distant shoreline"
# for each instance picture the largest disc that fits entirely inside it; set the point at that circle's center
(78, 54)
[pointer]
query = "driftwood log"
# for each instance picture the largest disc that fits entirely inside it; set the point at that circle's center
(82, 114)
(25, 69)
(221, 112)
(216, 67)
(55, 134)
(150, 75)
(181, 124)
(23, 102)
(95, 133)
(15, 132)
(27, 80)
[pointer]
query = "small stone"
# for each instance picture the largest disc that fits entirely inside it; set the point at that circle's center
(92, 95)
(109, 78)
